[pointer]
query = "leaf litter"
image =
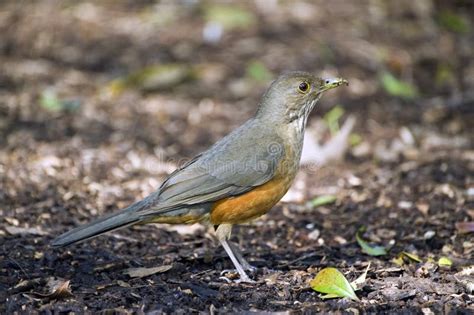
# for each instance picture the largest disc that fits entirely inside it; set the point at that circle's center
(409, 176)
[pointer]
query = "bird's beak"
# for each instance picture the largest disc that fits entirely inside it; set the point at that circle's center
(332, 83)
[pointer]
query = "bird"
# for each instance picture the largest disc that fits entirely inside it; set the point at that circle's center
(238, 179)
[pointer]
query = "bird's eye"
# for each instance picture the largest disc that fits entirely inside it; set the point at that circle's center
(303, 87)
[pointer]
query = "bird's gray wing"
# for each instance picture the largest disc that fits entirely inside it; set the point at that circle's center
(233, 166)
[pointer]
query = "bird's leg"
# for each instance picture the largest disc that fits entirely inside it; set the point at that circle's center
(238, 254)
(223, 234)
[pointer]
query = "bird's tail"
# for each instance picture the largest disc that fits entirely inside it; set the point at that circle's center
(106, 224)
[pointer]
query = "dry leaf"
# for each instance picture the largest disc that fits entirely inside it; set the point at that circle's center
(466, 279)
(26, 285)
(423, 207)
(360, 281)
(14, 230)
(333, 150)
(123, 284)
(465, 227)
(145, 272)
(59, 290)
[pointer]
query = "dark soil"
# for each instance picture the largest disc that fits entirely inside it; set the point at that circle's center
(75, 144)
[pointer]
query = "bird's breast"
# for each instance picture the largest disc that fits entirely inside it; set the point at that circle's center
(259, 200)
(248, 206)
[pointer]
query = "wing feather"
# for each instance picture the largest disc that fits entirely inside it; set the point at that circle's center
(233, 166)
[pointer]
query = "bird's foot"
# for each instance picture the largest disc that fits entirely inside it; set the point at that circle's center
(223, 272)
(251, 269)
(243, 277)
(240, 280)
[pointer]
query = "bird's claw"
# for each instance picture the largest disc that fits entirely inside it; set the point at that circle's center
(223, 272)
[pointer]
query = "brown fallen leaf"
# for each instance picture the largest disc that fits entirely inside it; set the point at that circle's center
(59, 289)
(145, 272)
(423, 207)
(395, 294)
(465, 227)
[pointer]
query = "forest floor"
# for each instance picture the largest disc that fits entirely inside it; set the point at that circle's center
(99, 102)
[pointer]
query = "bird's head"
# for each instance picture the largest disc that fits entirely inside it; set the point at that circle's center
(292, 96)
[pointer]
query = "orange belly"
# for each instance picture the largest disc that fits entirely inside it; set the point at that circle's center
(234, 210)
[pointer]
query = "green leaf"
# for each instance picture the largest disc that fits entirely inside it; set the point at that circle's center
(454, 22)
(257, 71)
(445, 262)
(50, 101)
(398, 88)
(332, 119)
(355, 139)
(405, 257)
(332, 282)
(152, 78)
(398, 261)
(323, 200)
(375, 250)
(444, 74)
(230, 17)
(412, 257)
